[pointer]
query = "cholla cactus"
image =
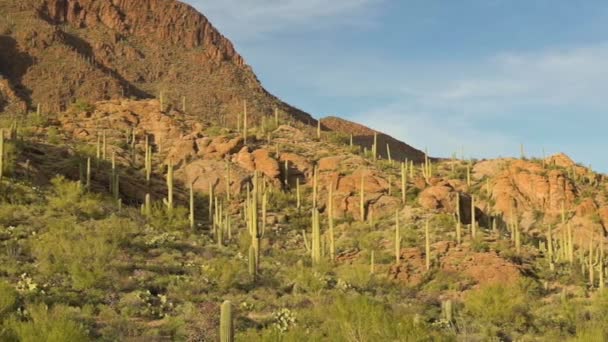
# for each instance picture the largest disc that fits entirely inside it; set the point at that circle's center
(283, 320)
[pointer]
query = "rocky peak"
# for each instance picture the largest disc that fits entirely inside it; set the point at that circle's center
(169, 22)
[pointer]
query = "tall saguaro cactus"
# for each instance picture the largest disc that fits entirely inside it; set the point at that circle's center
(403, 182)
(458, 220)
(191, 214)
(397, 239)
(226, 322)
(473, 219)
(245, 131)
(375, 147)
(316, 237)
(169, 201)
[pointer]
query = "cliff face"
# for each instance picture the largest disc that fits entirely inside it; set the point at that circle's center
(54, 52)
(169, 22)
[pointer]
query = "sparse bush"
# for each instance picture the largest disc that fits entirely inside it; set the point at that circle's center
(8, 299)
(498, 309)
(44, 324)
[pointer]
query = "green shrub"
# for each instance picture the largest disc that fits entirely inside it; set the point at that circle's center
(69, 197)
(499, 309)
(83, 251)
(49, 325)
(83, 106)
(8, 299)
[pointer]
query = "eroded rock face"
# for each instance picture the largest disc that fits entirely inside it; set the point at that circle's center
(258, 160)
(167, 21)
(519, 185)
(481, 268)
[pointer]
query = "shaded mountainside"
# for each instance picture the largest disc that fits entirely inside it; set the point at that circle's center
(54, 52)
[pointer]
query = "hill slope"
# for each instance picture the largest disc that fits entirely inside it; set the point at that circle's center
(55, 51)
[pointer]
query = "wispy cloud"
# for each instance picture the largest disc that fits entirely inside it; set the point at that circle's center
(545, 99)
(252, 19)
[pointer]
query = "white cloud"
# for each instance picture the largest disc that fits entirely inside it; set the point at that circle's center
(251, 19)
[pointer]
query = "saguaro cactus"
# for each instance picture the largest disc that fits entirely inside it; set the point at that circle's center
(372, 263)
(88, 181)
(397, 238)
(169, 201)
(226, 326)
(318, 129)
(403, 182)
(298, 197)
(458, 220)
(473, 219)
(245, 131)
(375, 147)
(316, 237)
(191, 216)
(253, 263)
(276, 116)
(315, 186)
(105, 146)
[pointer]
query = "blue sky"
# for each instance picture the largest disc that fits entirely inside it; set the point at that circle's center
(479, 75)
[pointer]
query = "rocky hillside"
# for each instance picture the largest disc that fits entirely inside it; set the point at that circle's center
(364, 136)
(53, 52)
(158, 203)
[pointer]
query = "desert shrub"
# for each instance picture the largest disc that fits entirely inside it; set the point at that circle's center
(499, 309)
(349, 318)
(44, 324)
(8, 299)
(83, 106)
(338, 138)
(52, 135)
(69, 197)
(360, 318)
(83, 251)
(162, 219)
(10, 157)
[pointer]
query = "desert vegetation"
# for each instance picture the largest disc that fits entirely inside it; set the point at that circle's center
(279, 260)
(156, 191)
